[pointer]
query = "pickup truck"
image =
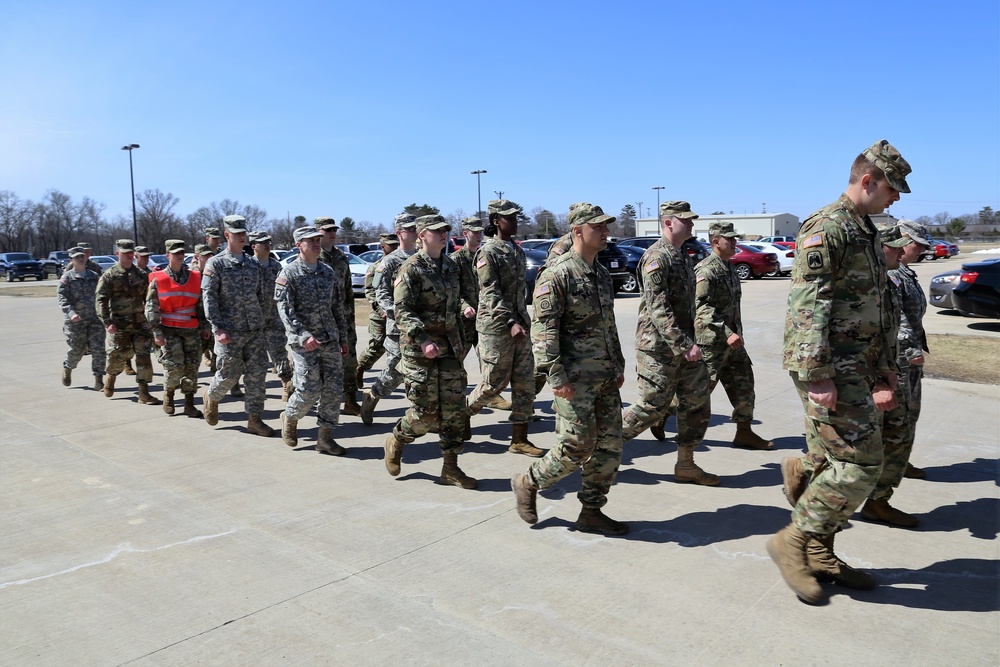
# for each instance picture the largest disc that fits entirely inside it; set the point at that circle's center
(19, 265)
(787, 241)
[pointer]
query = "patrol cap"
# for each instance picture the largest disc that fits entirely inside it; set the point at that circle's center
(203, 249)
(725, 229)
(303, 233)
(432, 222)
(677, 209)
(174, 245)
(259, 237)
(236, 224)
(76, 251)
(915, 231)
(503, 207)
(891, 236)
(213, 233)
(588, 214)
(83, 244)
(388, 238)
(125, 245)
(142, 250)
(325, 222)
(472, 224)
(885, 157)
(405, 221)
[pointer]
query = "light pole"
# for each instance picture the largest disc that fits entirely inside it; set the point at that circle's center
(131, 178)
(657, 188)
(479, 192)
(638, 205)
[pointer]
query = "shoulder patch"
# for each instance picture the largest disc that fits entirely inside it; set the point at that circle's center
(282, 279)
(542, 289)
(481, 263)
(652, 266)
(398, 280)
(813, 241)
(698, 278)
(558, 251)
(64, 280)
(894, 279)
(208, 272)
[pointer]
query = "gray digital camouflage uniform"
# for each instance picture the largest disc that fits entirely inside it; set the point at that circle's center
(76, 295)
(274, 332)
(385, 275)
(338, 261)
(376, 324)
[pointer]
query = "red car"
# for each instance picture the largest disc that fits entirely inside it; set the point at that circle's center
(751, 262)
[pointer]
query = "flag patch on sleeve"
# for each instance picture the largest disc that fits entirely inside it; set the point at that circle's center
(813, 241)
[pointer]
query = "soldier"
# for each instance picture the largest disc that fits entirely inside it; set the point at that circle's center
(337, 260)
(83, 329)
(576, 344)
(91, 264)
(376, 321)
(502, 323)
(464, 257)
(120, 296)
(839, 350)
(668, 359)
(274, 331)
(718, 329)
(177, 319)
(310, 303)
(385, 274)
(213, 240)
(142, 254)
(427, 312)
(234, 291)
(202, 253)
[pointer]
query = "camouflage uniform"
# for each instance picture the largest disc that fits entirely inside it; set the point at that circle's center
(575, 340)
(912, 339)
(896, 442)
(385, 275)
(557, 250)
(120, 298)
(77, 296)
(274, 332)
(376, 324)
(180, 354)
(235, 294)
(310, 304)
(469, 289)
(337, 260)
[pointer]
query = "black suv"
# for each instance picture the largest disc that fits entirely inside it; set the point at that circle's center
(18, 265)
(613, 259)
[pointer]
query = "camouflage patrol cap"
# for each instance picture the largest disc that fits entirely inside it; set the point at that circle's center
(677, 209)
(388, 239)
(213, 233)
(503, 207)
(259, 237)
(891, 235)
(303, 233)
(915, 231)
(76, 251)
(203, 249)
(125, 245)
(406, 221)
(472, 224)
(885, 157)
(726, 229)
(142, 250)
(433, 223)
(174, 245)
(236, 224)
(588, 214)
(325, 222)
(83, 244)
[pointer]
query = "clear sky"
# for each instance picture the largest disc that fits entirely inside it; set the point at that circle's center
(359, 108)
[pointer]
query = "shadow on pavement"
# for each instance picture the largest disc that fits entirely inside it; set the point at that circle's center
(698, 529)
(961, 584)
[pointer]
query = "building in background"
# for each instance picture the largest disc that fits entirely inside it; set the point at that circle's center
(750, 226)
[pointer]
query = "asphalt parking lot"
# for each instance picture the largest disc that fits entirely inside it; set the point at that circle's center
(132, 537)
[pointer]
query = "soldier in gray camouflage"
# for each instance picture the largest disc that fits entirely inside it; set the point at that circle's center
(427, 311)
(83, 329)
(376, 321)
(338, 261)
(274, 331)
(912, 339)
(90, 264)
(213, 240)
(840, 351)
(575, 341)
(718, 329)
(234, 291)
(310, 303)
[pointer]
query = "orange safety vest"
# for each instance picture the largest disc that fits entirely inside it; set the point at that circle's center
(177, 302)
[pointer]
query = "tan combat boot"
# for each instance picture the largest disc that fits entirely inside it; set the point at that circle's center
(826, 566)
(98, 382)
(525, 495)
(211, 409)
(659, 428)
(289, 430)
(257, 427)
(880, 511)
(351, 406)
(593, 520)
(67, 376)
(189, 408)
(687, 471)
(913, 472)
(498, 402)
(168, 401)
(145, 397)
(109, 385)
(128, 367)
(393, 453)
(452, 475)
(787, 548)
(519, 443)
(325, 444)
(368, 403)
(287, 387)
(794, 479)
(747, 439)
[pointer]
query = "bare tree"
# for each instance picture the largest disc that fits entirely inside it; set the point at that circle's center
(16, 219)
(156, 219)
(61, 222)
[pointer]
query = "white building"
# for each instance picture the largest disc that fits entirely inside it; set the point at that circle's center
(750, 226)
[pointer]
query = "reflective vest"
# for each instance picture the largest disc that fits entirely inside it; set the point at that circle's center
(177, 302)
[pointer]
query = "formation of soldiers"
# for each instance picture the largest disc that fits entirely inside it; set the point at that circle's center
(852, 297)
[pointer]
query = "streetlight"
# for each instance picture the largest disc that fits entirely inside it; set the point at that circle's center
(479, 194)
(657, 188)
(498, 193)
(131, 177)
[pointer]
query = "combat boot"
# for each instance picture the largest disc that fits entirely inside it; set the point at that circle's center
(747, 439)
(498, 402)
(351, 406)
(168, 401)
(880, 511)
(67, 376)
(393, 453)
(128, 367)
(466, 427)
(687, 471)
(913, 472)
(289, 430)
(519, 443)
(144, 396)
(236, 391)
(359, 377)
(659, 429)
(287, 387)
(368, 403)
(452, 475)
(787, 548)
(794, 478)
(593, 520)
(525, 495)
(211, 409)
(98, 382)
(325, 444)
(257, 427)
(109, 385)
(189, 408)
(826, 566)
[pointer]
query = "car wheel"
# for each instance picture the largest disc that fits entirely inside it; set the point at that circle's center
(631, 285)
(743, 271)
(20, 279)
(773, 274)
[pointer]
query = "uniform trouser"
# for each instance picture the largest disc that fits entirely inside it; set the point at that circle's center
(845, 455)
(128, 343)
(588, 429)
(349, 364)
(180, 357)
(376, 340)
(734, 370)
(915, 377)
(505, 360)
(319, 375)
(897, 441)
(471, 339)
(81, 336)
(660, 379)
(391, 376)
(244, 355)
(436, 390)
(275, 340)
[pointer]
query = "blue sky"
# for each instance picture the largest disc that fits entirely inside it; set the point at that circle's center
(358, 109)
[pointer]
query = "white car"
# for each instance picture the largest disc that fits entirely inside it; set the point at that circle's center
(359, 268)
(785, 256)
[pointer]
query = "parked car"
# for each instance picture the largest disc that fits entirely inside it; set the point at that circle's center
(353, 248)
(753, 263)
(634, 254)
(938, 249)
(157, 262)
(977, 292)
(358, 269)
(59, 259)
(786, 256)
(787, 241)
(941, 287)
(613, 259)
(371, 256)
(695, 249)
(104, 261)
(20, 265)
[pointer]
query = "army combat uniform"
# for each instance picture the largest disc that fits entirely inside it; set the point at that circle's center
(469, 289)
(274, 332)
(76, 296)
(385, 275)
(376, 328)
(338, 261)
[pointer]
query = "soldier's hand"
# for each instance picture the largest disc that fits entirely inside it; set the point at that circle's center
(891, 380)
(223, 337)
(76, 318)
(621, 381)
(469, 313)
(159, 341)
(311, 344)
(517, 332)
(206, 334)
(885, 398)
(344, 350)
(112, 329)
(567, 391)
(693, 354)
(430, 349)
(917, 361)
(735, 341)
(823, 392)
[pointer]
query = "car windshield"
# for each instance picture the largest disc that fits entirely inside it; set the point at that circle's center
(17, 256)
(748, 248)
(354, 259)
